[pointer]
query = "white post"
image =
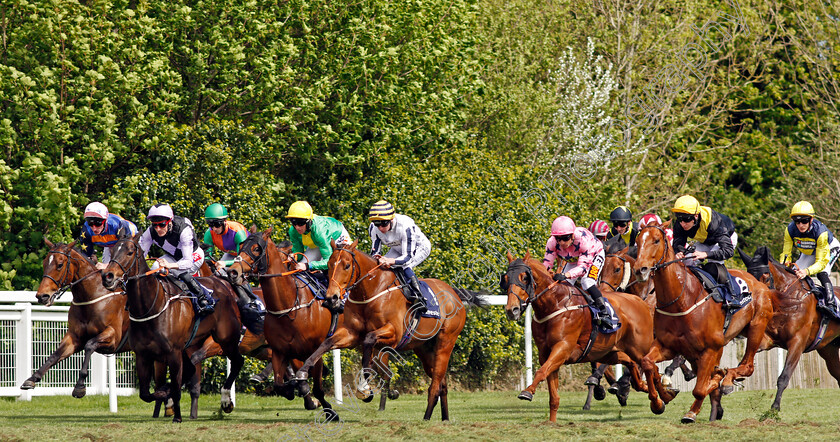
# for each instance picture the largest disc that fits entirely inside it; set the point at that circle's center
(112, 382)
(619, 370)
(529, 356)
(232, 386)
(780, 356)
(24, 352)
(337, 376)
(98, 373)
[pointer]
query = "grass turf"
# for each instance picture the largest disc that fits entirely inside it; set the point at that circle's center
(806, 415)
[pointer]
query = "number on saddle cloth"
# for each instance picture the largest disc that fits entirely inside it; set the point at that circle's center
(720, 292)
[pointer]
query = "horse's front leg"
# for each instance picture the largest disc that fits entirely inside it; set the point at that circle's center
(708, 379)
(342, 338)
(655, 388)
(559, 354)
(746, 367)
(382, 337)
(176, 373)
(101, 340)
(145, 368)
(553, 395)
(69, 344)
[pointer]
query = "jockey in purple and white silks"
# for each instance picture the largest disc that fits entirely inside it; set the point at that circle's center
(103, 229)
(175, 235)
(584, 257)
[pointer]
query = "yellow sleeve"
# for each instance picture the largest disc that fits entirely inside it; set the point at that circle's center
(787, 249)
(821, 255)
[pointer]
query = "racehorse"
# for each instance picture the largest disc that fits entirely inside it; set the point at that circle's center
(796, 324)
(377, 315)
(686, 324)
(563, 330)
(294, 324)
(163, 325)
(96, 321)
(617, 275)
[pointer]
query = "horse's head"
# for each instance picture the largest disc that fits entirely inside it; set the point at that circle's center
(653, 248)
(518, 284)
(616, 272)
(343, 269)
(60, 270)
(126, 256)
(252, 257)
(757, 265)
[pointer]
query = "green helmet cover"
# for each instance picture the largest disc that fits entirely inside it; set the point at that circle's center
(215, 211)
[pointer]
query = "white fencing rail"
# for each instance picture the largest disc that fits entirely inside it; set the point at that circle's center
(29, 333)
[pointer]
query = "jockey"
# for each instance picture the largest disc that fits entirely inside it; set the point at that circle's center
(584, 257)
(624, 230)
(408, 246)
(600, 229)
(227, 235)
(311, 235)
(654, 219)
(102, 229)
(714, 233)
(818, 248)
(182, 256)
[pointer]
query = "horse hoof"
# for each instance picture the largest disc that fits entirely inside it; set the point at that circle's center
(79, 393)
(592, 380)
(176, 420)
(308, 403)
(27, 385)
(599, 393)
(657, 407)
(303, 388)
(689, 376)
(331, 415)
(368, 398)
(228, 408)
(719, 413)
(286, 390)
(689, 418)
(169, 412)
(393, 394)
(726, 389)
(257, 378)
(526, 395)
(613, 388)
(665, 380)
(622, 395)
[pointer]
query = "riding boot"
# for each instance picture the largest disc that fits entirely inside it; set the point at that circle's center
(205, 307)
(414, 295)
(830, 301)
(603, 318)
(253, 313)
(722, 277)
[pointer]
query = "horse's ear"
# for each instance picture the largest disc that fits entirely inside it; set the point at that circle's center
(137, 236)
(527, 255)
(744, 257)
(666, 224)
(268, 230)
(70, 246)
(354, 244)
(509, 256)
(48, 242)
(253, 229)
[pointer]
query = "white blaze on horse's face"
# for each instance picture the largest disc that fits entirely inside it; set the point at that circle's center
(49, 260)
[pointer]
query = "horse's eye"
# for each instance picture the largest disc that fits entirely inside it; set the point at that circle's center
(615, 270)
(656, 241)
(59, 265)
(346, 266)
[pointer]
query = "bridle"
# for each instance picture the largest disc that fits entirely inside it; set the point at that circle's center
(660, 264)
(64, 286)
(625, 278)
(355, 269)
(516, 268)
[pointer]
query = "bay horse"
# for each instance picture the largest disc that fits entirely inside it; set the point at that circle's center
(96, 321)
(685, 323)
(377, 315)
(562, 328)
(295, 325)
(617, 275)
(797, 322)
(164, 325)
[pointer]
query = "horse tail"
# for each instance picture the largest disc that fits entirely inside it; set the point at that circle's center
(472, 298)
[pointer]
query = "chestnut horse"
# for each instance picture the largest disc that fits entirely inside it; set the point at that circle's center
(617, 275)
(562, 328)
(164, 324)
(377, 316)
(796, 322)
(295, 325)
(687, 324)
